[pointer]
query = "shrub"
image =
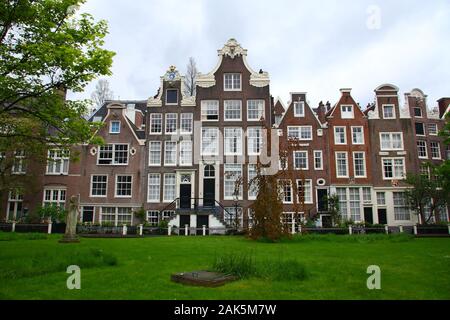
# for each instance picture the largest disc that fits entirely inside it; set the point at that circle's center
(240, 265)
(54, 213)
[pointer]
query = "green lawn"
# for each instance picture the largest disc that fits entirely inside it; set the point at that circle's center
(335, 265)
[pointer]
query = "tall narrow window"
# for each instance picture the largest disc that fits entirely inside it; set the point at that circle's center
(301, 160)
(19, 166)
(401, 210)
(171, 123)
(232, 186)
(304, 190)
(154, 183)
(252, 184)
(422, 149)
(15, 205)
(186, 153)
(210, 141)
(169, 187)
(340, 135)
(58, 161)
(286, 187)
(186, 123)
(357, 135)
(299, 109)
(420, 129)
(342, 196)
(435, 150)
(233, 141)
(359, 164)
(155, 123)
(99, 185)
(154, 158)
(355, 204)
(341, 165)
(124, 186)
(254, 141)
(170, 153)
(318, 160)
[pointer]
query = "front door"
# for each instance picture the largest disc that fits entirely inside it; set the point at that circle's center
(327, 222)
(209, 192)
(382, 217)
(88, 214)
(185, 196)
(368, 217)
(185, 219)
(202, 220)
(322, 200)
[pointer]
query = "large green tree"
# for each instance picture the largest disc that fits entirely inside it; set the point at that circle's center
(45, 50)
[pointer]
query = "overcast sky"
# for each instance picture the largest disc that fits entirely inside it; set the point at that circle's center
(313, 46)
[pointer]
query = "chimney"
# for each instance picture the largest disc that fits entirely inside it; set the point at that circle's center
(328, 104)
(131, 112)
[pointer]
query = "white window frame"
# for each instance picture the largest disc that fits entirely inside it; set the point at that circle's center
(185, 144)
(302, 113)
(347, 114)
(231, 103)
(19, 166)
(393, 111)
(432, 132)
(59, 155)
(307, 159)
(424, 129)
(362, 135)
(315, 152)
(364, 164)
(91, 195)
(310, 196)
(251, 140)
(251, 186)
(111, 126)
(233, 75)
(216, 142)
(113, 163)
(204, 109)
(175, 152)
(178, 97)
(166, 121)
(239, 141)
(283, 184)
(257, 102)
(116, 186)
(226, 179)
(165, 200)
(438, 150)
(425, 148)
(150, 164)
(59, 202)
(346, 163)
(186, 117)
(335, 136)
(395, 175)
(300, 130)
(391, 141)
(152, 118)
(154, 200)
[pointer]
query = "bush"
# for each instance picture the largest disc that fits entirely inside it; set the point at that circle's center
(54, 213)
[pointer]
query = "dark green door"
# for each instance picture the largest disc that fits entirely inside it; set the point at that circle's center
(382, 217)
(368, 216)
(185, 219)
(202, 220)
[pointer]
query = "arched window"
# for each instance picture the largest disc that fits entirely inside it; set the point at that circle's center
(209, 171)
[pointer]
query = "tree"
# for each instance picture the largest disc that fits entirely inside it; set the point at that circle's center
(191, 74)
(333, 208)
(44, 51)
(102, 93)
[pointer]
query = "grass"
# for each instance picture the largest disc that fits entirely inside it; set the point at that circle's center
(306, 267)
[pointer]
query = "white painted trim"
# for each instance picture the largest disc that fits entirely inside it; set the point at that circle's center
(115, 185)
(334, 135)
(90, 187)
(354, 164)
(346, 162)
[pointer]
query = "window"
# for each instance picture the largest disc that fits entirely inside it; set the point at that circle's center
(210, 141)
(301, 160)
(167, 215)
(342, 195)
(420, 130)
(254, 141)
(347, 112)
(340, 135)
(304, 190)
(341, 165)
(124, 186)
(367, 195)
(318, 160)
(286, 186)
(209, 171)
(171, 123)
(435, 150)
(232, 175)
(116, 215)
(299, 109)
(54, 197)
(171, 96)
(233, 217)
(169, 187)
(232, 82)
(381, 198)
(391, 141)
(19, 166)
(186, 121)
(255, 110)
(357, 135)
(300, 132)
(232, 110)
(233, 141)
(155, 123)
(252, 184)
(393, 168)
(170, 153)
(417, 112)
(359, 164)
(154, 182)
(287, 218)
(15, 205)
(422, 149)
(186, 153)
(99, 185)
(114, 127)
(432, 129)
(210, 110)
(58, 161)
(401, 210)
(388, 112)
(113, 154)
(154, 158)
(425, 170)
(153, 218)
(355, 204)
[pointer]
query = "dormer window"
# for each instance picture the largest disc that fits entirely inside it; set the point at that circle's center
(417, 112)
(232, 82)
(171, 96)
(114, 127)
(388, 112)
(299, 109)
(347, 112)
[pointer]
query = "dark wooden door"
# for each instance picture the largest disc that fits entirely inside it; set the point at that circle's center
(185, 196)
(322, 200)
(202, 220)
(382, 217)
(185, 219)
(368, 216)
(209, 192)
(88, 214)
(327, 222)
